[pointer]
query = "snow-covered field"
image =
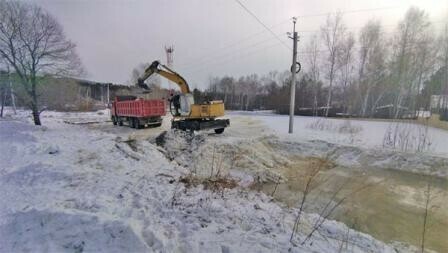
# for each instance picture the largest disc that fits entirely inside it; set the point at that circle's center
(99, 188)
(366, 134)
(362, 143)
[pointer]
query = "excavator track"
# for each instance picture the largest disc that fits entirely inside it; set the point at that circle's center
(196, 125)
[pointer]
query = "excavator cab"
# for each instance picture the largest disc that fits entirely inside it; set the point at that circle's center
(180, 105)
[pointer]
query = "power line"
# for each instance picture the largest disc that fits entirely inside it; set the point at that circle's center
(201, 68)
(360, 27)
(277, 35)
(346, 12)
(226, 59)
(213, 56)
(234, 43)
(238, 42)
(232, 57)
(259, 21)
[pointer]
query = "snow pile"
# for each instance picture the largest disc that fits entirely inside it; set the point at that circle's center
(208, 157)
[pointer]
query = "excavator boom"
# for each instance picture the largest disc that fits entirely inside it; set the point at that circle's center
(157, 67)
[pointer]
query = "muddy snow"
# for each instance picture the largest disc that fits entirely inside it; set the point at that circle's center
(96, 187)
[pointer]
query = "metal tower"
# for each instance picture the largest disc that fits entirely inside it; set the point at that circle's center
(169, 50)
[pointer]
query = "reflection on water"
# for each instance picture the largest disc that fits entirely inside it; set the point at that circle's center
(391, 209)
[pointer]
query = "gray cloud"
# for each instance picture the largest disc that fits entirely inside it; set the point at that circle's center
(210, 37)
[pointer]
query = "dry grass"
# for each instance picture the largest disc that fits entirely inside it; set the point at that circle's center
(407, 137)
(324, 124)
(214, 184)
(434, 121)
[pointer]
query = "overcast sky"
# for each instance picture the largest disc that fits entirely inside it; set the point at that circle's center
(210, 37)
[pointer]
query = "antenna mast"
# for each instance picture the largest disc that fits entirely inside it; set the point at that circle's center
(169, 50)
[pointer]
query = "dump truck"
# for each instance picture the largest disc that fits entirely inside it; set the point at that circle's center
(137, 112)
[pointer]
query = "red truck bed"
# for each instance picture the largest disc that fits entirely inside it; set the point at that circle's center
(137, 112)
(140, 108)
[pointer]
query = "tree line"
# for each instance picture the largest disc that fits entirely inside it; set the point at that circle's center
(372, 73)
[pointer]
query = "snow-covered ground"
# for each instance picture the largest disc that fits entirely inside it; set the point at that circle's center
(367, 133)
(359, 143)
(99, 188)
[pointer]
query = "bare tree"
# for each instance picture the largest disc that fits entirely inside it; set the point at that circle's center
(430, 196)
(346, 65)
(225, 86)
(444, 61)
(2, 86)
(11, 90)
(309, 185)
(372, 65)
(313, 62)
(334, 202)
(332, 34)
(33, 43)
(410, 32)
(2, 93)
(425, 215)
(423, 62)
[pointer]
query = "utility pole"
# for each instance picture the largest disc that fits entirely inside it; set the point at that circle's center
(108, 95)
(293, 78)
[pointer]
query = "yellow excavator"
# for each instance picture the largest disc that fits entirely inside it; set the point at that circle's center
(187, 115)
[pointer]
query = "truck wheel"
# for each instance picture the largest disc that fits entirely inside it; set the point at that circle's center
(219, 130)
(120, 122)
(137, 123)
(175, 125)
(132, 122)
(114, 120)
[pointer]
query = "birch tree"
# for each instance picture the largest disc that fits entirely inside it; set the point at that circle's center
(410, 32)
(332, 35)
(444, 63)
(372, 63)
(346, 66)
(312, 58)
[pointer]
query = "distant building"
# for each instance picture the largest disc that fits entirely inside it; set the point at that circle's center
(99, 95)
(439, 102)
(69, 94)
(388, 112)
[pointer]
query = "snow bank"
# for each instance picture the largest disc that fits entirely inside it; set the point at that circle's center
(208, 157)
(352, 156)
(68, 188)
(67, 231)
(260, 157)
